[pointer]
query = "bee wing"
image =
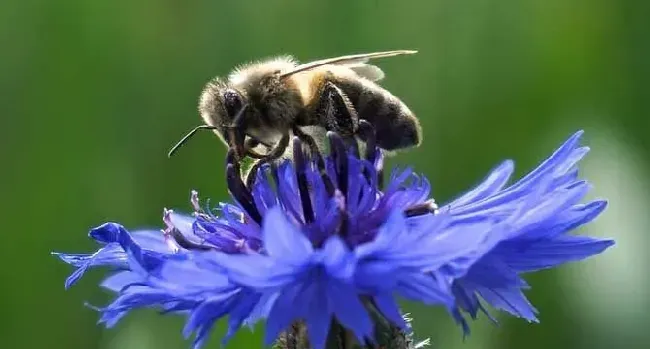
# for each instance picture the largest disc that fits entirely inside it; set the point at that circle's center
(350, 60)
(368, 71)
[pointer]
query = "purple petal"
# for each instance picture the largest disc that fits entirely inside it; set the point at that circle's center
(284, 240)
(494, 182)
(349, 310)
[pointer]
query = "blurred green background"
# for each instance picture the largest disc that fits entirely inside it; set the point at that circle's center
(93, 94)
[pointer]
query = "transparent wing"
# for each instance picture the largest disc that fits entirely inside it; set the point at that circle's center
(351, 61)
(368, 71)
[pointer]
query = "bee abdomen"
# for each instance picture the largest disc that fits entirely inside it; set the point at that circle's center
(395, 125)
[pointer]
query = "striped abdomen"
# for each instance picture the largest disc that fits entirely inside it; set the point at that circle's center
(395, 125)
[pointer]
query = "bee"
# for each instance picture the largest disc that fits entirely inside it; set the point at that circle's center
(260, 105)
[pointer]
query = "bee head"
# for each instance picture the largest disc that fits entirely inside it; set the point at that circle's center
(219, 105)
(232, 103)
(235, 108)
(223, 109)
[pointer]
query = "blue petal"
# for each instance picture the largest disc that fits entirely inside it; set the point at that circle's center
(349, 310)
(242, 311)
(423, 288)
(262, 308)
(494, 182)
(386, 238)
(570, 219)
(257, 271)
(317, 315)
(337, 259)
(120, 280)
(561, 156)
(510, 300)
(181, 222)
(544, 254)
(284, 240)
(110, 255)
(388, 307)
(283, 313)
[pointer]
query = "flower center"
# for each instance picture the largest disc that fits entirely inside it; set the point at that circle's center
(340, 193)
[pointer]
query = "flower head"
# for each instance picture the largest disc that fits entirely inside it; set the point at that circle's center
(318, 239)
(541, 209)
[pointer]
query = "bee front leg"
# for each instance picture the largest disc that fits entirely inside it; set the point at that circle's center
(273, 154)
(336, 112)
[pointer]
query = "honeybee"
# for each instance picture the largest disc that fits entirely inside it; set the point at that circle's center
(260, 105)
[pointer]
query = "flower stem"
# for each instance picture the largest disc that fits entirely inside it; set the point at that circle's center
(387, 336)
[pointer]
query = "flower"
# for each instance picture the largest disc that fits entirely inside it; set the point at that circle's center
(319, 240)
(537, 238)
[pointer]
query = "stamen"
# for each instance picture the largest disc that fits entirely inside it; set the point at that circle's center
(427, 207)
(170, 242)
(337, 149)
(327, 181)
(231, 159)
(315, 153)
(252, 174)
(339, 198)
(174, 238)
(354, 147)
(367, 133)
(208, 210)
(194, 199)
(380, 173)
(167, 219)
(299, 161)
(239, 191)
(345, 217)
(183, 242)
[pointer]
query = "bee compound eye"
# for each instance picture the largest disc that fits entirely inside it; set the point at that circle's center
(232, 101)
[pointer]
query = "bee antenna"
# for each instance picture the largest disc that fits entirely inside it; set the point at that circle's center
(187, 137)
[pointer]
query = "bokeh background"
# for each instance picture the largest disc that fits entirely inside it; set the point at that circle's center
(93, 94)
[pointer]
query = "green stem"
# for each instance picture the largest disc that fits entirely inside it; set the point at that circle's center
(387, 336)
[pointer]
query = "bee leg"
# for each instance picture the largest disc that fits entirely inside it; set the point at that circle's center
(337, 112)
(236, 135)
(273, 154)
(306, 139)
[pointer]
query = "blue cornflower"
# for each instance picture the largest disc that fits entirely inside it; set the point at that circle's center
(319, 240)
(537, 236)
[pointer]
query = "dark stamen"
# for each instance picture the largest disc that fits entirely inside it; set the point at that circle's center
(320, 163)
(252, 174)
(367, 133)
(337, 149)
(380, 174)
(170, 231)
(299, 161)
(183, 242)
(354, 147)
(427, 207)
(322, 170)
(345, 222)
(239, 191)
(231, 159)
(327, 181)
